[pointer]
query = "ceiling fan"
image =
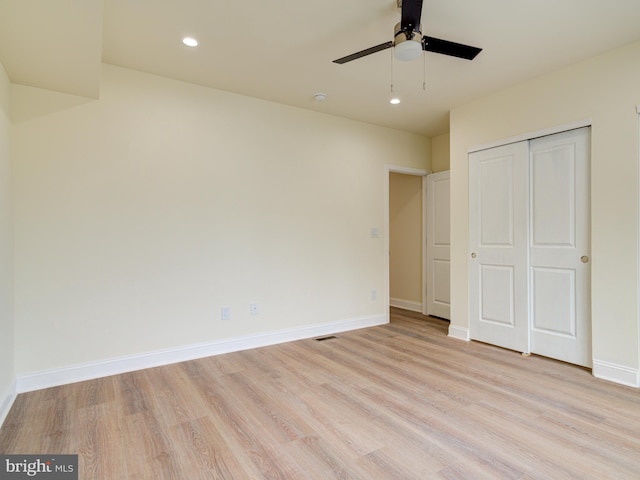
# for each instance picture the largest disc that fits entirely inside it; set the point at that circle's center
(409, 41)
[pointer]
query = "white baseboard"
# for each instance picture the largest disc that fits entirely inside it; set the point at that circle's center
(114, 366)
(616, 373)
(406, 304)
(459, 333)
(7, 400)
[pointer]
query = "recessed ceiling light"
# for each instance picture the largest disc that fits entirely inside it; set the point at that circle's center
(190, 42)
(394, 101)
(319, 97)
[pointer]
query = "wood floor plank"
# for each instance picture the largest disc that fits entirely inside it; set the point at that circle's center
(37, 415)
(205, 453)
(96, 432)
(398, 401)
(173, 402)
(283, 424)
(251, 437)
(149, 452)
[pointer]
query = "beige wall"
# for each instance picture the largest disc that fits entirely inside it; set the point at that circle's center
(405, 240)
(7, 369)
(440, 153)
(605, 89)
(139, 215)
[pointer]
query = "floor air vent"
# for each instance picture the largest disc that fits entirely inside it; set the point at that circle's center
(322, 339)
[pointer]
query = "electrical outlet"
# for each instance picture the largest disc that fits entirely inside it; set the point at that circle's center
(225, 313)
(253, 308)
(374, 294)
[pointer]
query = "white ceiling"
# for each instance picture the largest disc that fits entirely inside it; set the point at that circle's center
(282, 50)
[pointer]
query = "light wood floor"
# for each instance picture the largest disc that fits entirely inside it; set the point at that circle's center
(401, 401)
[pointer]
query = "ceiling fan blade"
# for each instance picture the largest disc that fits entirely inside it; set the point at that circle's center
(364, 53)
(446, 47)
(411, 13)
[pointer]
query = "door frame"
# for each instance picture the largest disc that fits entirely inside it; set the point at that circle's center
(388, 169)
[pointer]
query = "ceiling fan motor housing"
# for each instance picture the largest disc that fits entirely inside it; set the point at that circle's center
(407, 42)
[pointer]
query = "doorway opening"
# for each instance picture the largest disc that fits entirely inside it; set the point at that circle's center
(405, 237)
(406, 217)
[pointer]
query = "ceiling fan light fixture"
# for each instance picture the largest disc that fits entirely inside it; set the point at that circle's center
(407, 50)
(394, 101)
(407, 43)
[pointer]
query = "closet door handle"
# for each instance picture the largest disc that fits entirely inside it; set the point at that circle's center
(474, 255)
(584, 259)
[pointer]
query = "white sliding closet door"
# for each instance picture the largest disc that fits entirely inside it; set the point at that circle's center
(559, 255)
(498, 280)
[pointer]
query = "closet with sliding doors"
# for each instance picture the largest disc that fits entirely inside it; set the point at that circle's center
(529, 243)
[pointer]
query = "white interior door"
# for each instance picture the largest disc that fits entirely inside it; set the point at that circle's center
(438, 246)
(559, 247)
(498, 279)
